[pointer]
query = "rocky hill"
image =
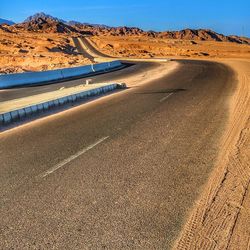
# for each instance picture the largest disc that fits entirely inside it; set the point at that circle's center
(202, 35)
(45, 23)
(42, 15)
(186, 34)
(41, 22)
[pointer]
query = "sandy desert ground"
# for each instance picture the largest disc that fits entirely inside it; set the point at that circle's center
(146, 47)
(32, 51)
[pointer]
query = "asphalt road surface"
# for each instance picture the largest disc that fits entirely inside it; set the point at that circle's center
(121, 172)
(91, 48)
(94, 52)
(81, 50)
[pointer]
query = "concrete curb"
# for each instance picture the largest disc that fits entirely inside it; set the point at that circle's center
(28, 111)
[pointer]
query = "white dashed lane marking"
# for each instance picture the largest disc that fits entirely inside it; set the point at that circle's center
(165, 97)
(72, 157)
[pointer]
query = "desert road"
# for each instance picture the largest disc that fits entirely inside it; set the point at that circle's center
(91, 52)
(119, 172)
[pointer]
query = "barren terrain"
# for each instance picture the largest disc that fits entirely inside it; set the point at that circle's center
(146, 47)
(32, 51)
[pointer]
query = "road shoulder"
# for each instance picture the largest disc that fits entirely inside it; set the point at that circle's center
(220, 217)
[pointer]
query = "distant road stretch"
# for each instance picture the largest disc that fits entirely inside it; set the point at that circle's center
(82, 44)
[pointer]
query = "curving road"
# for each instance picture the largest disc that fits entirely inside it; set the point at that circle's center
(87, 49)
(120, 172)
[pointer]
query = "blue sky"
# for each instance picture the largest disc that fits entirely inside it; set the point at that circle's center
(223, 16)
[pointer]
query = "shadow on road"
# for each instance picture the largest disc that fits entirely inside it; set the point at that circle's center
(160, 91)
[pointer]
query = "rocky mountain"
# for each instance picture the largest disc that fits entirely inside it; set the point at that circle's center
(186, 34)
(72, 23)
(4, 21)
(47, 17)
(47, 26)
(111, 31)
(202, 35)
(42, 22)
(42, 15)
